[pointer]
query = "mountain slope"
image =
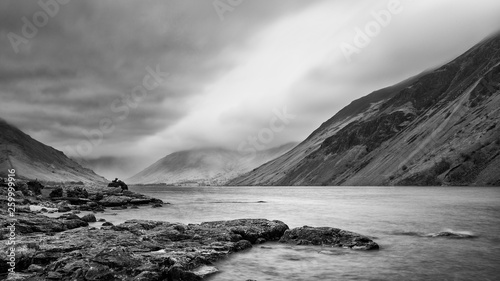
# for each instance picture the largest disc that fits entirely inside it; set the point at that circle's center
(439, 128)
(35, 160)
(213, 166)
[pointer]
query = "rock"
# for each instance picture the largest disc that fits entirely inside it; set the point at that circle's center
(89, 218)
(328, 236)
(101, 220)
(35, 268)
(69, 216)
(138, 249)
(260, 241)
(118, 183)
(71, 224)
(147, 276)
(77, 192)
(117, 258)
(54, 276)
(157, 205)
(63, 209)
(16, 276)
(58, 192)
(242, 245)
(205, 270)
(35, 187)
(450, 234)
(107, 224)
(252, 229)
(113, 201)
(138, 201)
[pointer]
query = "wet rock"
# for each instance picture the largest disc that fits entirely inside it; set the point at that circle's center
(205, 270)
(144, 250)
(63, 209)
(70, 216)
(328, 236)
(450, 234)
(89, 218)
(117, 257)
(140, 201)
(107, 224)
(71, 224)
(35, 268)
(54, 276)
(58, 192)
(113, 201)
(147, 276)
(252, 229)
(35, 187)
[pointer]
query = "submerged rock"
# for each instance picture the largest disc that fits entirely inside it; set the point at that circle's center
(452, 234)
(328, 236)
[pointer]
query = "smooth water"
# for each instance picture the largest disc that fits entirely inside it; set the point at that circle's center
(397, 218)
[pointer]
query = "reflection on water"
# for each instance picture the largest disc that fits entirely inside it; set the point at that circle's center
(404, 222)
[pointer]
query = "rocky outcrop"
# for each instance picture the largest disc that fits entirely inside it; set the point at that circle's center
(140, 250)
(66, 249)
(327, 236)
(28, 223)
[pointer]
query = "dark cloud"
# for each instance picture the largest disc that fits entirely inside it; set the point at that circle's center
(226, 77)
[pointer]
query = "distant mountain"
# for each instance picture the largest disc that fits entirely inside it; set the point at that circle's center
(438, 128)
(214, 166)
(34, 160)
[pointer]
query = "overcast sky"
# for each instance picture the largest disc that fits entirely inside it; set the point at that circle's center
(229, 67)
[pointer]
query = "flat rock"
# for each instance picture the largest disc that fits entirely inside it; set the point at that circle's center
(140, 250)
(113, 201)
(328, 236)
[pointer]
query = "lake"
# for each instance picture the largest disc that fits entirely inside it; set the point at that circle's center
(399, 219)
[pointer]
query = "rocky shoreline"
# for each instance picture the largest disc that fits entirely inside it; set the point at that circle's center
(67, 248)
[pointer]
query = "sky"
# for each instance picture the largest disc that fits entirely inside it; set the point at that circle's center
(124, 83)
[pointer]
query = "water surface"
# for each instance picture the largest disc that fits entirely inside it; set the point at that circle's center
(397, 218)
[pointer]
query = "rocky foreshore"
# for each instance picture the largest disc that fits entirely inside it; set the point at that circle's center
(68, 248)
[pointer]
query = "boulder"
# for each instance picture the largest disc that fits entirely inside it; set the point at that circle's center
(89, 218)
(328, 236)
(35, 187)
(113, 201)
(58, 192)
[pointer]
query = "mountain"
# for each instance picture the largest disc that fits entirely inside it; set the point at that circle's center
(438, 128)
(214, 166)
(34, 160)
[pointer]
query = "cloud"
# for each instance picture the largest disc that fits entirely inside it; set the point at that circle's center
(226, 77)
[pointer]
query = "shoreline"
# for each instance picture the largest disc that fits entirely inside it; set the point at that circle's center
(67, 248)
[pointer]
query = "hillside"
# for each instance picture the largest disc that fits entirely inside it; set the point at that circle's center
(214, 166)
(35, 160)
(439, 128)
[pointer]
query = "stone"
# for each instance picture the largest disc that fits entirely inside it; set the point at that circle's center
(63, 209)
(147, 276)
(117, 257)
(71, 224)
(70, 216)
(139, 201)
(113, 201)
(35, 268)
(89, 218)
(328, 236)
(205, 270)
